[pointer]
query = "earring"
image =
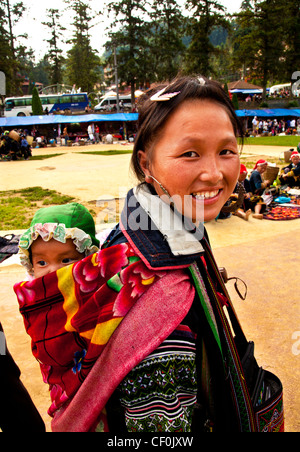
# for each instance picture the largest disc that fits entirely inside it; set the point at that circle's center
(161, 186)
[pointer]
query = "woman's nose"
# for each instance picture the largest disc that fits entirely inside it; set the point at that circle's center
(210, 171)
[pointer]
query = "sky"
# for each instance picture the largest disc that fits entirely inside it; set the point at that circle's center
(37, 33)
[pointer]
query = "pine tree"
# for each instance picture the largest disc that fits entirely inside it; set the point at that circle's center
(166, 42)
(9, 62)
(206, 15)
(83, 63)
(55, 57)
(259, 43)
(130, 41)
(37, 108)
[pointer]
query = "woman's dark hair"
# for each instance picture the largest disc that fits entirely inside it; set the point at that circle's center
(153, 115)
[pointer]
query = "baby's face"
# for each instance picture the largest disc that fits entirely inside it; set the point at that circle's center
(49, 256)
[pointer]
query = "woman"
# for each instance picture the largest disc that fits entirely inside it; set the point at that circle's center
(65, 135)
(290, 175)
(257, 187)
(156, 351)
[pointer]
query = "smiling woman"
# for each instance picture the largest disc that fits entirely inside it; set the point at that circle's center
(152, 345)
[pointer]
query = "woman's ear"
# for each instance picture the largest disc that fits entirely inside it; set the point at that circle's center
(143, 161)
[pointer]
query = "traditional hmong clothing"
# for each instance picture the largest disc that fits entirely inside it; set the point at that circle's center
(292, 173)
(130, 338)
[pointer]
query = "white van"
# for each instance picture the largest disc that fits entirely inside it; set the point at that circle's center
(109, 103)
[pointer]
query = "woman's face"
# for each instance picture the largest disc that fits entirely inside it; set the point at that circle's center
(196, 159)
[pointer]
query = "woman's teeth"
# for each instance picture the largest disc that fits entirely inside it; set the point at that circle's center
(206, 194)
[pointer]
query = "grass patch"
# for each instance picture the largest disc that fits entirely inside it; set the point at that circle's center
(286, 140)
(112, 152)
(249, 162)
(17, 207)
(44, 157)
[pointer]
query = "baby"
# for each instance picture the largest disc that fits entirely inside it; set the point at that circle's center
(58, 236)
(77, 297)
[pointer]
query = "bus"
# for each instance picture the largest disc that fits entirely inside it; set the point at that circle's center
(22, 106)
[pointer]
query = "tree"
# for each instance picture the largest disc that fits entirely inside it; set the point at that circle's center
(130, 41)
(259, 41)
(206, 15)
(166, 40)
(291, 38)
(9, 62)
(235, 101)
(37, 108)
(82, 64)
(55, 57)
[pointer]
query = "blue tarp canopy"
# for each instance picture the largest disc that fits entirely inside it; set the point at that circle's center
(267, 113)
(23, 121)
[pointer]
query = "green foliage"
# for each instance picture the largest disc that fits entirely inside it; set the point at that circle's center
(37, 108)
(206, 16)
(82, 63)
(131, 42)
(235, 101)
(55, 57)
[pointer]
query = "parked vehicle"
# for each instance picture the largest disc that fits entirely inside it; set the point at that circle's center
(22, 106)
(109, 103)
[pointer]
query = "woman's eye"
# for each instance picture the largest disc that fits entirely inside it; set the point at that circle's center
(190, 154)
(227, 152)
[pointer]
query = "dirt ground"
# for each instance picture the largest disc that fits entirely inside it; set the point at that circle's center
(265, 254)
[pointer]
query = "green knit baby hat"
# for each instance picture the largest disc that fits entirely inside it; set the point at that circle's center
(73, 215)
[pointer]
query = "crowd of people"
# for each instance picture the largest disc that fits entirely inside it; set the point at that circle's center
(275, 126)
(257, 193)
(14, 146)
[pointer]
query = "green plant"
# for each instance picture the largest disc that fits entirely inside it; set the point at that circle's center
(264, 105)
(235, 101)
(292, 104)
(37, 108)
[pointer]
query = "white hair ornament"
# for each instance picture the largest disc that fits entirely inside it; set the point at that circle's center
(161, 96)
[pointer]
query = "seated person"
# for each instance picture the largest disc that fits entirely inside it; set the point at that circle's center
(257, 187)
(245, 210)
(290, 175)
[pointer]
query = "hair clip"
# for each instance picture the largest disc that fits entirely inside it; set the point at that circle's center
(161, 97)
(202, 81)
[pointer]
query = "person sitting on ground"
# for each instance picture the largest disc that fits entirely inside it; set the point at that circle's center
(245, 210)
(290, 175)
(257, 187)
(25, 148)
